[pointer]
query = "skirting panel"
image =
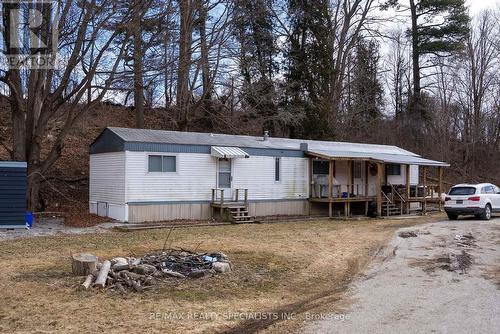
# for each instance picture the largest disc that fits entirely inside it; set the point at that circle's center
(160, 212)
(105, 209)
(275, 208)
(200, 211)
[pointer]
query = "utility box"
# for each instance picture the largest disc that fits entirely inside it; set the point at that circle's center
(13, 176)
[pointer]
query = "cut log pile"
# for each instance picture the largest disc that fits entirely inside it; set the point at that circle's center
(125, 274)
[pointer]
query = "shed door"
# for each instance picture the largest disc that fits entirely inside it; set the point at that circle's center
(224, 176)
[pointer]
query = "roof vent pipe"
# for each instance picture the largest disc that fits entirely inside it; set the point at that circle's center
(266, 135)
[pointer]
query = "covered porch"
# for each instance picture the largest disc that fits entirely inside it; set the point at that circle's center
(373, 183)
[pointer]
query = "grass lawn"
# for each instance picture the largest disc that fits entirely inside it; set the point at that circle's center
(289, 267)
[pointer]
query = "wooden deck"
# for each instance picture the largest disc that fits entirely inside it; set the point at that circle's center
(231, 209)
(228, 204)
(343, 199)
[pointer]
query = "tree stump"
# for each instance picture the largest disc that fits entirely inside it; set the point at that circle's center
(84, 264)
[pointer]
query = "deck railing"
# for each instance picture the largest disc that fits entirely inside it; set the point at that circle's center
(341, 190)
(237, 195)
(395, 193)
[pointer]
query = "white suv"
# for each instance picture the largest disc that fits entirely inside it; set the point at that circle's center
(472, 199)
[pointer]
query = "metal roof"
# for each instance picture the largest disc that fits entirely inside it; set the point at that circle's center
(386, 153)
(390, 158)
(213, 139)
(13, 164)
(228, 152)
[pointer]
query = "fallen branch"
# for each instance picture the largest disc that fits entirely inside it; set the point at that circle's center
(88, 281)
(100, 281)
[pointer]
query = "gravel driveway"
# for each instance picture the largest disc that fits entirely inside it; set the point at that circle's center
(54, 226)
(444, 278)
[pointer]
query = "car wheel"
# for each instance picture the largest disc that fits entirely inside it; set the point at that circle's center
(451, 216)
(487, 212)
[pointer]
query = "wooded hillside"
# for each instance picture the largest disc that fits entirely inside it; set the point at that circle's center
(422, 75)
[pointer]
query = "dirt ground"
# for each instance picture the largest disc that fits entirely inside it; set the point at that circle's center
(49, 226)
(413, 286)
(281, 270)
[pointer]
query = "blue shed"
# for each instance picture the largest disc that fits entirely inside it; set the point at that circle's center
(12, 194)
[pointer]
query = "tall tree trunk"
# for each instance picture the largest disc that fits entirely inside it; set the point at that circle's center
(166, 70)
(185, 41)
(415, 57)
(205, 66)
(138, 62)
(18, 132)
(417, 114)
(13, 75)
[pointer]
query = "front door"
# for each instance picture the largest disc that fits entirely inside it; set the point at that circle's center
(224, 177)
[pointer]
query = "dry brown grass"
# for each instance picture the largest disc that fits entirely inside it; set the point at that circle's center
(281, 267)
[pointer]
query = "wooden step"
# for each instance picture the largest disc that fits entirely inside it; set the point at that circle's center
(238, 211)
(241, 217)
(232, 206)
(244, 222)
(242, 214)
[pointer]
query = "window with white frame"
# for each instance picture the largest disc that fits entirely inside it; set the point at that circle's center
(162, 164)
(277, 171)
(393, 169)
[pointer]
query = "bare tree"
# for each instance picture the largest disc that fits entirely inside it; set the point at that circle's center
(41, 97)
(187, 24)
(477, 81)
(398, 77)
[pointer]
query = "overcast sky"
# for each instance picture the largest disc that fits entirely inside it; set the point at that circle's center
(476, 5)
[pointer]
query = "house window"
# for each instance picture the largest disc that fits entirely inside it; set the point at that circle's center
(162, 164)
(393, 169)
(321, 167)
(277, 162)
(357, 170)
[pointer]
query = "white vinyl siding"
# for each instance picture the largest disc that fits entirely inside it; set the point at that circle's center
(197, 175)
(401, 179)
(414, 174)
(257, 174)
(342, 178)
(107, 178)
(193, 181)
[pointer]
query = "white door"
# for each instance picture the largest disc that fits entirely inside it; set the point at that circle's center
(224, 177)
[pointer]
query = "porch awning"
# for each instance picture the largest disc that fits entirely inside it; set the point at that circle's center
(382, 157)
(228, 152)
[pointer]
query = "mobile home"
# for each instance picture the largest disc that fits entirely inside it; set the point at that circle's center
(141, 175)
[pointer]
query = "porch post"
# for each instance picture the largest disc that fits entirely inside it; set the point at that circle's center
(424, 175)
(366, 188)
(408, 189)
(440, 187)
(379, 189)
(349, 188)
(309, 204)
(310, 177)
(366, 178)
(330, 188)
